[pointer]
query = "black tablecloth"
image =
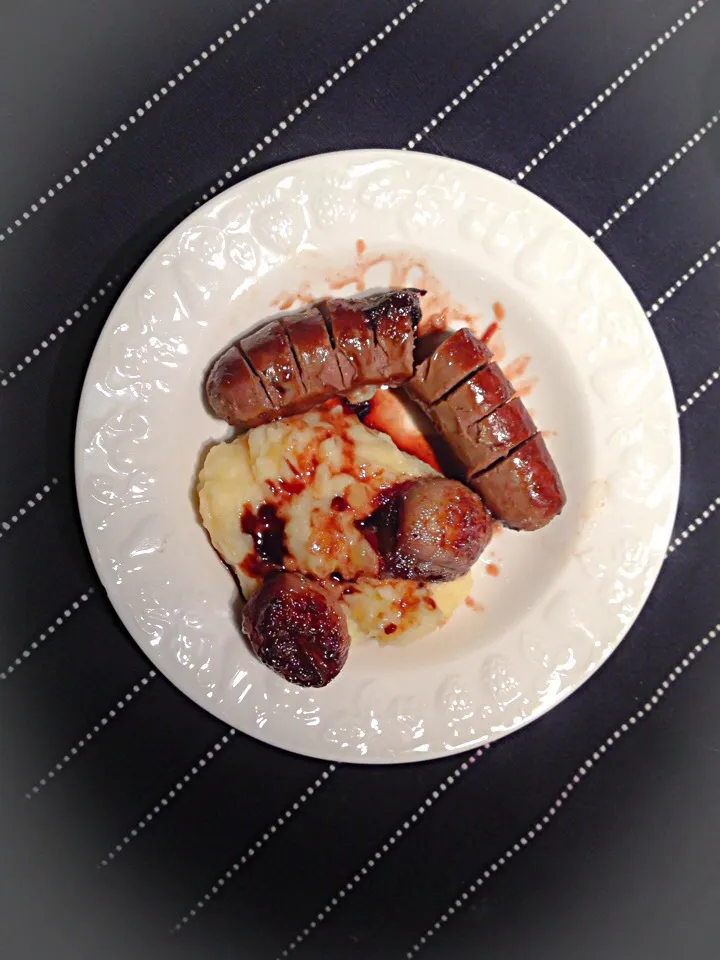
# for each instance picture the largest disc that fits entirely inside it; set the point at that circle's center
(133, 824)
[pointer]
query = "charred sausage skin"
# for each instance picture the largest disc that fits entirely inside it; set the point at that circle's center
(296, 627)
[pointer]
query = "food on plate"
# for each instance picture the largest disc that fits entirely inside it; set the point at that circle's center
(296, 495)
(524, 488)
(317, 361)
(470, 402)
(335, 534)
(474, 399)
(431, 529)
(455, 358)
(295, 361)
(298, 629)
(499, 433)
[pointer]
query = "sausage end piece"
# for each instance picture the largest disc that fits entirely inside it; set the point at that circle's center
(297, 629)
(524, 490)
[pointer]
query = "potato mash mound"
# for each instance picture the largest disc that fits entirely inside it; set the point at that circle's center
(290, 493)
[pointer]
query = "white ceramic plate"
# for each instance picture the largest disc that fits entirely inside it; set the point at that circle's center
(564, 596)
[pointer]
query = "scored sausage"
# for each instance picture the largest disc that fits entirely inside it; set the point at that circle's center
(431, 529)
(456, 358)
(235, 392)
(296, 361)
(459, 411)
(485, 426)
(524, 490)
(269, 354)
(314, 354)
(500, 432)
(375, 334)
(297, 629)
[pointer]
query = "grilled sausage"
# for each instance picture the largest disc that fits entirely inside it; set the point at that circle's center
(457, 357)
(234, 391)
(483, 424)
(314, 354)
(268, 353)
(376, 335)
(524, 490)
(500, 432)
(298, 360)
(297, 629)
(457, 415)
(430, 529)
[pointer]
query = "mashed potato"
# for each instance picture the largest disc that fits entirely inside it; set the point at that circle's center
(294, 489)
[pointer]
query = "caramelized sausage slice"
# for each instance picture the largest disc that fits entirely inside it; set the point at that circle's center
(297, 629)
(235, 392)
(499, 433)
(524, 490)
(457, 357)
(432, 529)
(457, 414)
(314, 354)
(268, 353)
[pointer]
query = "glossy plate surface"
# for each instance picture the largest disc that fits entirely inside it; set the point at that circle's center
(573, 336)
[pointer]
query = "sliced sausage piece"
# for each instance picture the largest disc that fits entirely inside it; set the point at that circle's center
(524, 490)
(498, 434)
(394, 319)
(268, 353)
(314, 354)
(376, 335)
(457, 414)
(431, 529)
(457, 357)
(359, 358)
(235, 393)
(345, 364)
(297, 629)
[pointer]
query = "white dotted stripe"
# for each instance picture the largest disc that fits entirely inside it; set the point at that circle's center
(611, 89)
(47, 633)
(486, 73)
(564, 795)
(659, 173)
(84, 740)
(57, 332)
(690, 272)
(155, 98)
(200, 764)
(255, 847)
(33, 501)
(692, 527)
(383, 850)
(701, 390)
(222, 182)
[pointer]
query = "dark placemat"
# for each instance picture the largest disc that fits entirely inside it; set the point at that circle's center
(134, 824)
